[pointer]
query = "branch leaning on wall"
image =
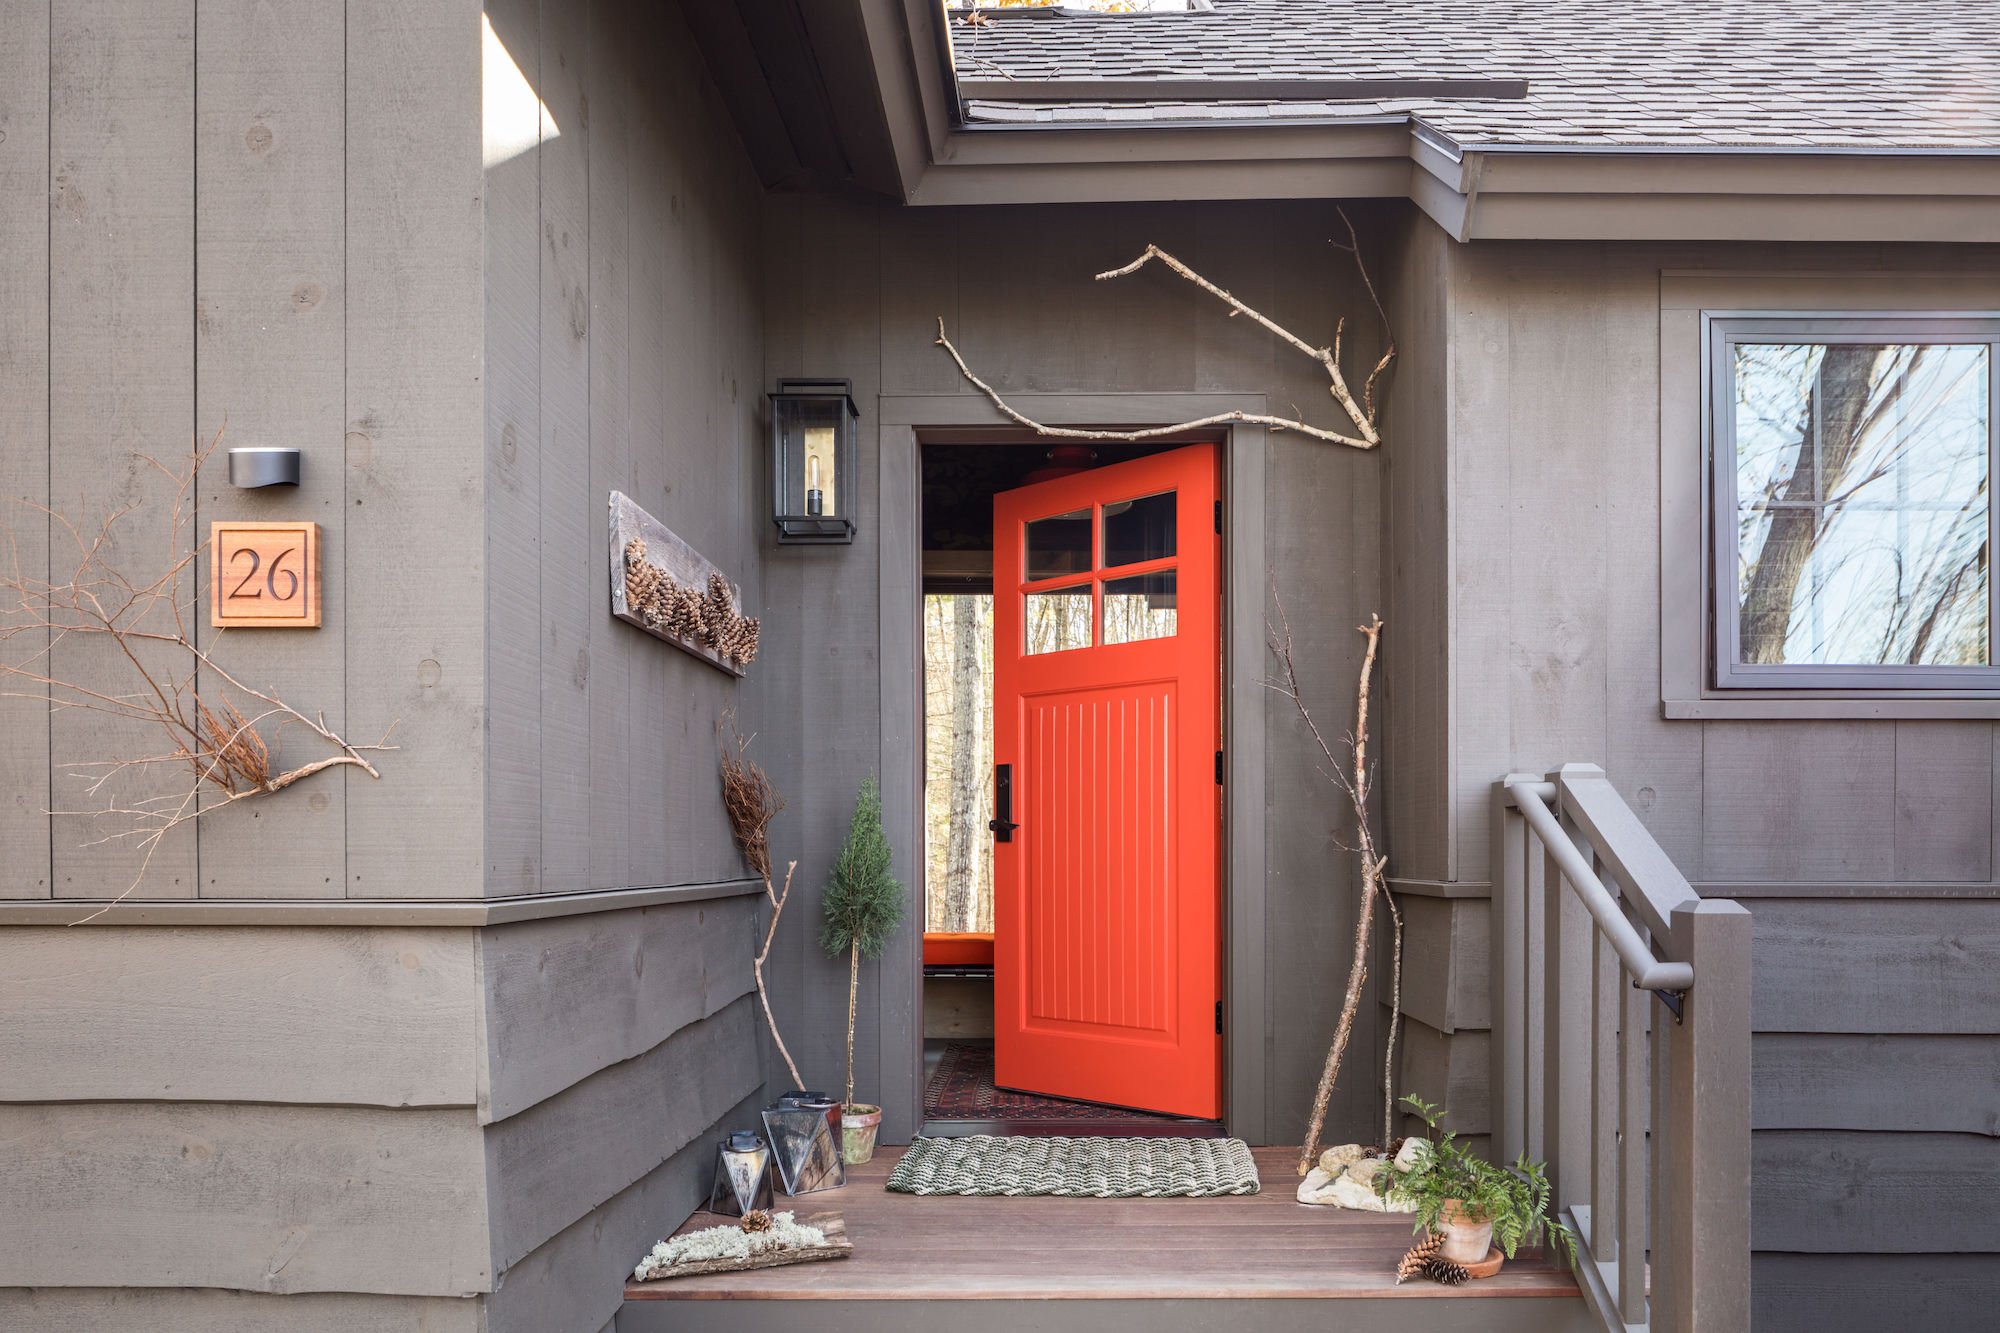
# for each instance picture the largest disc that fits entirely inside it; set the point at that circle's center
(211, 718)
(1363, 413)
(1357, 780)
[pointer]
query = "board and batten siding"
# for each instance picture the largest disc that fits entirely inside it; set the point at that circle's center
(253, 219)
(347, 1109)
(1863, 846)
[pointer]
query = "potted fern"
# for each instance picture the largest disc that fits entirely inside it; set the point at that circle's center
(1472, 1205)
(863, 907)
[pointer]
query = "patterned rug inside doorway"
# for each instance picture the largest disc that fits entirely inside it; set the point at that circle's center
(1094, 1168)
(962, 1089)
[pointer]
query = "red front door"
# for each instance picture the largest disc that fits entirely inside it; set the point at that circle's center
(1106, 909)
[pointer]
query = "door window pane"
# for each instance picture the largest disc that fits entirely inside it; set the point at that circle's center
(1059, 545)
(1058, 619)
(1861, 503)
(1141, 607)
(1141, 529)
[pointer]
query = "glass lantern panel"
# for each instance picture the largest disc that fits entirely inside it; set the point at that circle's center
(1059, 545)
(1141, 529)
(1141, 607)
(1058, 619)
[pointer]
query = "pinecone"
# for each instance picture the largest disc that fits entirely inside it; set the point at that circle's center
(642, 580)
(759, 1220)
(1420, 1254)
(716, 610)
(1445, 1271)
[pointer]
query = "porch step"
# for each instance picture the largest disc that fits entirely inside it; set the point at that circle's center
(1148, 1265)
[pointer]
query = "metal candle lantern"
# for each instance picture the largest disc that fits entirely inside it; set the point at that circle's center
(812, 460)
(742, 1175)
(805, 1141)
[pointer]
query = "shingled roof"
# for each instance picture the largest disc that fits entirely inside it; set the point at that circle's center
(1841, 75)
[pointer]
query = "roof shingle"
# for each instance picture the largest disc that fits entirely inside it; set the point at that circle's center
(1775, 74)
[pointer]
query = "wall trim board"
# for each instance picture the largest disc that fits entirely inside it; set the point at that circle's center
(1438, 888)
(368, 911)
(906, 422)
(1783, 889)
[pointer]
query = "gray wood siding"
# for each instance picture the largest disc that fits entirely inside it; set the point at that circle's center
(855, 290)
(625, 352)
(1862, 845)
(259, 215)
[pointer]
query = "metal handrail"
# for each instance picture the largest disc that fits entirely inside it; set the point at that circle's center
(1634, 954)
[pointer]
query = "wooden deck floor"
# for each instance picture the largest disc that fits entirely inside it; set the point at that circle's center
(1266, 1247)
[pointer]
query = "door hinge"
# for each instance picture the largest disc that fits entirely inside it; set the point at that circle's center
(1218, 1018)
(1218, 768)
(1218, 517)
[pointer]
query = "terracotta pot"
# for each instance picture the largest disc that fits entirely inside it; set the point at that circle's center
(859, 1123)
(1465, 1241)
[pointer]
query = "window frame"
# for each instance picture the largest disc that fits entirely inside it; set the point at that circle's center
(1721, 333)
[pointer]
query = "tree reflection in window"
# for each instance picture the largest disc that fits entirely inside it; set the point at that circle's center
(1862, 490)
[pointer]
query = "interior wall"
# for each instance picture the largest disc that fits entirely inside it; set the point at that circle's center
(856, 290)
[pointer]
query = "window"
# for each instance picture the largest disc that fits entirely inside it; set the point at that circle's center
(1850, 508)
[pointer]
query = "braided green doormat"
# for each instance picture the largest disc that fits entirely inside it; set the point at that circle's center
(1078, 1168)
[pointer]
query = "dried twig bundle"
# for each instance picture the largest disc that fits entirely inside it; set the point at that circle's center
(751, 801)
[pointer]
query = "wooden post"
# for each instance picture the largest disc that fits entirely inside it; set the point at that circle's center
(1509, 981)
(1706, 1176)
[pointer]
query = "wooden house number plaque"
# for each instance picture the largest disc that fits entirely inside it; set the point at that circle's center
(264, 575)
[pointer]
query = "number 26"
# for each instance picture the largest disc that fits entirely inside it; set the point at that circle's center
(243, 589)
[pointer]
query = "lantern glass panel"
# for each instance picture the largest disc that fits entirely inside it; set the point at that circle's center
(813, 460)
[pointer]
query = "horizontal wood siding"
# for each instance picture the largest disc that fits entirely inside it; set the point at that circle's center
(160, 1194)
(374, 1017)
(56, 1310)
(553, 1163)
(1831, 1293)
(567, 997)
(576, 1278)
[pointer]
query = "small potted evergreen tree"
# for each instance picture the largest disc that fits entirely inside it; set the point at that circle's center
(863, 907)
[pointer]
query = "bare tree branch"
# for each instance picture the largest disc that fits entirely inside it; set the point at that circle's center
(1363, 414)
(210, 716)
(1373, 864)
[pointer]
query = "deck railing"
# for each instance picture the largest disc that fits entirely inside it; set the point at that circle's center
(1621, 1039)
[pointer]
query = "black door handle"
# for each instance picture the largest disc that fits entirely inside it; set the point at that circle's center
(1002, 825)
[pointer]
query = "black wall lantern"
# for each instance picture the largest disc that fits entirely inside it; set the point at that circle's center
(812, 460)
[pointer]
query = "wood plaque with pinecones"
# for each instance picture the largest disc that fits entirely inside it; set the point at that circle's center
(670, 590)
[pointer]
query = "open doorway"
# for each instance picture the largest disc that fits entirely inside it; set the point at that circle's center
(1071, 899)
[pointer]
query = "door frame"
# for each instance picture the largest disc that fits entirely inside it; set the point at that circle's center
(905, 422)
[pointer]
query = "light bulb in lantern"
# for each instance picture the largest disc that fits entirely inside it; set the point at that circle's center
(819, 442)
